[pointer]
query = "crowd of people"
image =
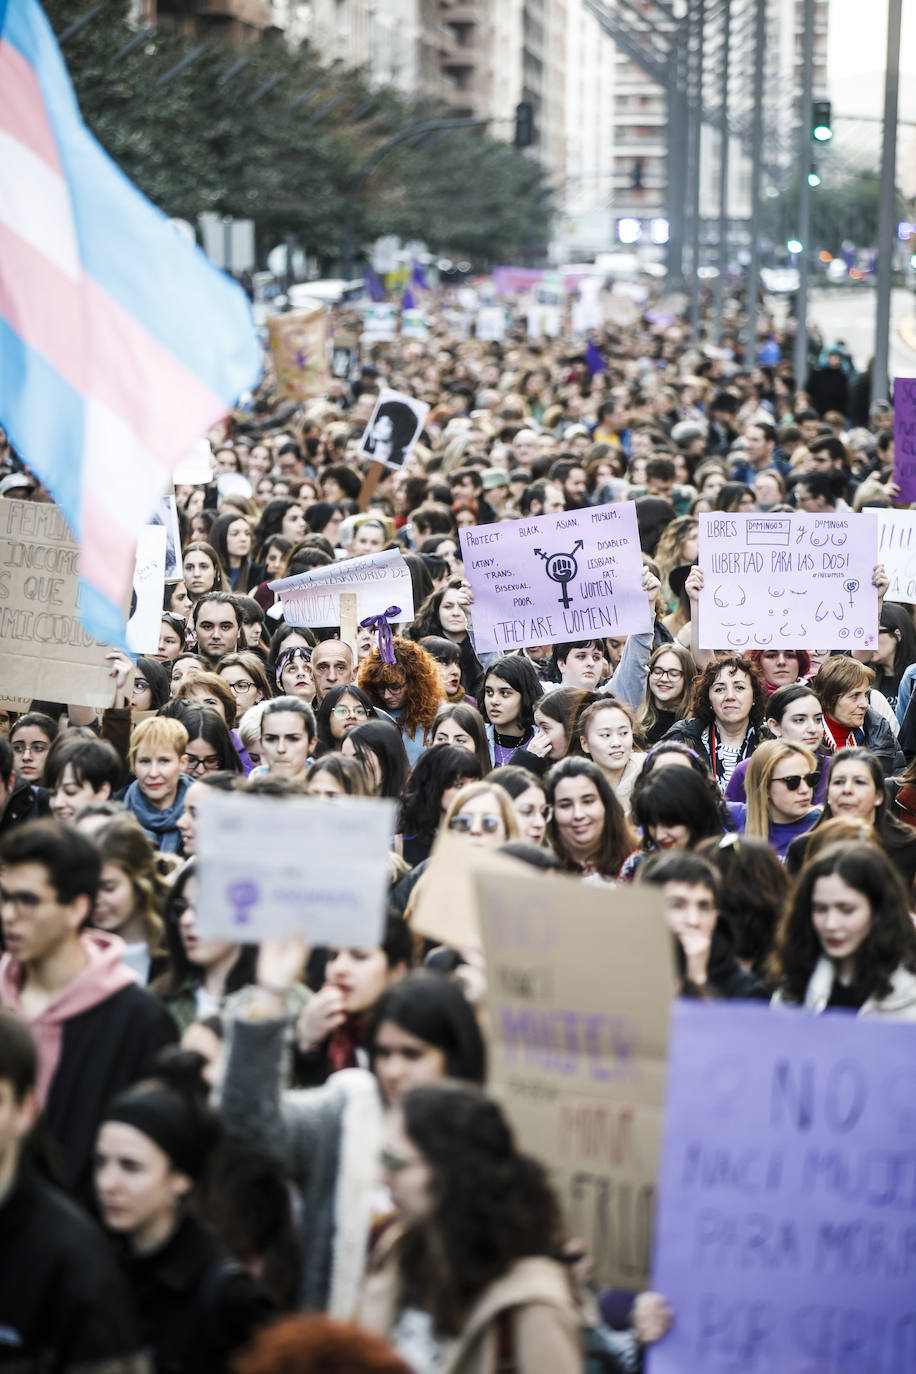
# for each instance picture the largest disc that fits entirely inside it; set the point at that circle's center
(201, 1141)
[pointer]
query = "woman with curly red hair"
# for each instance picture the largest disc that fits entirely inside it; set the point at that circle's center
(409, 690)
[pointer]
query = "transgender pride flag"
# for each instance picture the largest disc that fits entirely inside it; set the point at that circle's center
(120, 345)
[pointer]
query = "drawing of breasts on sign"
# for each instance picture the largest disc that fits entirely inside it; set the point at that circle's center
(393, 429)
(788, 581)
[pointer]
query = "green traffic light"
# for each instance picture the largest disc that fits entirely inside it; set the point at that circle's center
(822, 133)
(794, 245)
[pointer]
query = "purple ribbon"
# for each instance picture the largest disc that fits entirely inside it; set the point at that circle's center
(380, 623)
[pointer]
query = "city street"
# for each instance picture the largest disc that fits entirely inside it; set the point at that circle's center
(849, 315)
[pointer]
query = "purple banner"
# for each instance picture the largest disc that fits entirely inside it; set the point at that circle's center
(556, 577)
(785, 1236)
(905, 438)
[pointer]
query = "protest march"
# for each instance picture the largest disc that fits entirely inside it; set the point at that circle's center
(457, 820)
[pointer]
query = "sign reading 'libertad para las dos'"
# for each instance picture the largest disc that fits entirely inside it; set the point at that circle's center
(556, 578)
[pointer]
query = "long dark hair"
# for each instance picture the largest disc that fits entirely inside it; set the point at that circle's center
(521, 675)
(755, 886)
(618, 840)
(326, 741)
(889, 942)
(679, 796)
(435, 1010)
(206, 723)
(218, 538)
(700, 704)
(471, 721)
(435, 771)
(382, 739)
(891, 832)
(491, 1205)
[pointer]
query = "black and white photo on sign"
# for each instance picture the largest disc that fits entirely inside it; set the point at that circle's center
(393, 429)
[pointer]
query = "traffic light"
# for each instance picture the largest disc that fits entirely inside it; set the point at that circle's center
(821, 131)
(524, 124)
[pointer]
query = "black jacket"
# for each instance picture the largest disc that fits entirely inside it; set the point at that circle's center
(104, 1050)
(883, 743)
(25, 803)
(64, 1303)
(196, 1307)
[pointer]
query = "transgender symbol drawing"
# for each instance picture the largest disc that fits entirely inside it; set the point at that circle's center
(562, 568)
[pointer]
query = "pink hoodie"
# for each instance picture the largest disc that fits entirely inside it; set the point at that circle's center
(103, 976)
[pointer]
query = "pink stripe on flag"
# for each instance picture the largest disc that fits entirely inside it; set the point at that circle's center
(106, 550)
(104, 352)
(22, 106)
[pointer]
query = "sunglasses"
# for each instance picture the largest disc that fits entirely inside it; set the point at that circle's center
(463, 825)
(794, 781)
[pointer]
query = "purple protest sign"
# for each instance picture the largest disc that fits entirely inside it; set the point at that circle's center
(788, 581)
(905, 438)
(556, 577)
(784, 1235)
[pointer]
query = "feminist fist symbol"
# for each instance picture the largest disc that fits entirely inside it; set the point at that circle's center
(562, 568)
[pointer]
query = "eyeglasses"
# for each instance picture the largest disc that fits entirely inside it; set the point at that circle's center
(357, 712)
(666, 672)
(240, 687)
(195, 765)
(463, 825)
(795, 780)
(22, 746)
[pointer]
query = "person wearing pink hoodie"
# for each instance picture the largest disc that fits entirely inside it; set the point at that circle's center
(96, 1030)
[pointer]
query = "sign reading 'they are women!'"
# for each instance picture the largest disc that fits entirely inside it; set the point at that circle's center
(555, 578)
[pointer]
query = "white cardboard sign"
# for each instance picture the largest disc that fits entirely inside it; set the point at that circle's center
(380, 580)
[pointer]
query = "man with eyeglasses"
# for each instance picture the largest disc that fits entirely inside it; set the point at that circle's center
(218, 625)
(97, 1031)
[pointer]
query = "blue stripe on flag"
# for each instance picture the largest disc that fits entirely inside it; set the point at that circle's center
(42, 413)
(128, 246)
(100, 617)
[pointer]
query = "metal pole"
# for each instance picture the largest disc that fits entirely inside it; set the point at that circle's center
(676, 168)
(879, 378)
(697, 128)
(719, 300)
(804, 195)
(753, 276)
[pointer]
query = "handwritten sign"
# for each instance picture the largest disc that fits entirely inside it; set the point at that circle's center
(556, 577)
(299, 344)
(788, 580)
(142, 630)
(379, 580)
(380, 323)
(579, 983)
(394, 427)
(785, 1236)
(897, 551)
(905, 437)
(46, 651)
(267, 867)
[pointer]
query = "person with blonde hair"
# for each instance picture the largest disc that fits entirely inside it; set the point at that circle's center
(483, 812)
(156, 796)
(780, 782)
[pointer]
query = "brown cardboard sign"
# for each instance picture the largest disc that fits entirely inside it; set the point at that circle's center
(579, 985)
(46, 653)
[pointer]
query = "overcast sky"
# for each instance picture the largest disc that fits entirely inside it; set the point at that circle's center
(857, 46)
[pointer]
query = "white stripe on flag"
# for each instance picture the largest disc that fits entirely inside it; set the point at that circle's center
(35, 204)
(119, 472)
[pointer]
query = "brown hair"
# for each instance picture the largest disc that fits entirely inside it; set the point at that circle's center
(417, 669)
(838, 675)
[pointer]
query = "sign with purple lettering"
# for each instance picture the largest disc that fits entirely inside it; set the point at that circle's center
(788, 581)
(267, 867)
(556, 577)
(785, 1237)
(905, 438)
(579, 986)
(897, 551)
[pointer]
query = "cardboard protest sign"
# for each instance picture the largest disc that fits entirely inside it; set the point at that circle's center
(788, 580)
(299, 344)
(380, 323)
(267, 867)
(579, 983)
(444, 904)
(393, 429)
(897, 551)
(556, 577)
(142, 628)
(46, 651)
(905, 438)
(379, 580)
(784, 1228)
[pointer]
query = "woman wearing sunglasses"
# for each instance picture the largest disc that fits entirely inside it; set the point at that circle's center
(780, 782)
(484, 815)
